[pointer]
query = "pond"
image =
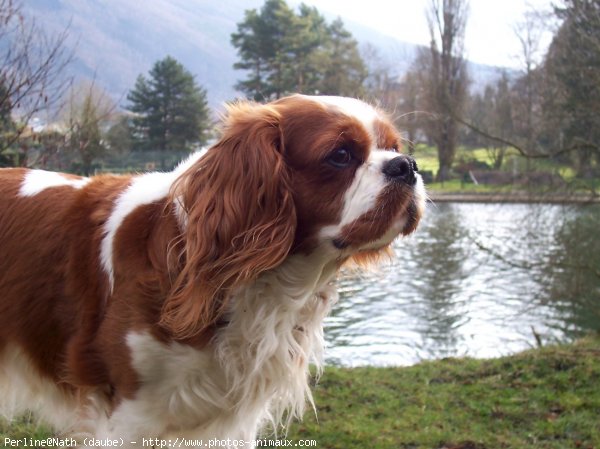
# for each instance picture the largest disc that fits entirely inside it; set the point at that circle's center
(479, 280)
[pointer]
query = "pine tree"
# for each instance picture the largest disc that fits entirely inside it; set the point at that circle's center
(283, 52)
(171, 109)
(345, 71)
(251, 42)
(262, 42)
(306, 49)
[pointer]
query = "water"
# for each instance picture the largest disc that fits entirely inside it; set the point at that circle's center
(479, 280)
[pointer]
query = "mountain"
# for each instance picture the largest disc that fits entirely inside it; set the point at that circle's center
(114, 40)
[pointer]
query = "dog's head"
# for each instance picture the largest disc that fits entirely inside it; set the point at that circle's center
(298, 175)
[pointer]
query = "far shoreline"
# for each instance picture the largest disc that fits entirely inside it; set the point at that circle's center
(512, 197)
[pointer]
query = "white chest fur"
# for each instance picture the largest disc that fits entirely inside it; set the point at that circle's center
(253, 373)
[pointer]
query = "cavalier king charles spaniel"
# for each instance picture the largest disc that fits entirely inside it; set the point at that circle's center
(190, 304)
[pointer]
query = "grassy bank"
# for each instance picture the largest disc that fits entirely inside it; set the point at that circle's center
(545, 398)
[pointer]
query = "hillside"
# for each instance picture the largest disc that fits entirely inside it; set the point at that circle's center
(115, 41)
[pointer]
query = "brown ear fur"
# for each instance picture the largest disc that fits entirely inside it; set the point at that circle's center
(240, 218)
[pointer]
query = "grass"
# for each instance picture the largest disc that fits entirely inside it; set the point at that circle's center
(545, 398)
(457, 186)
(427, 157)
(427, 160)
(21, 428)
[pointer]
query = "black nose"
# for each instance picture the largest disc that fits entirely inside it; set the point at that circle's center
(401, 168)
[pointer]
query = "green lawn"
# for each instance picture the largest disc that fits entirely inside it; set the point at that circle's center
(548, 398)
(427, 160)
(545, 398)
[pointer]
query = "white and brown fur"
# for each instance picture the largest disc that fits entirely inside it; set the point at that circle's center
(191, 303)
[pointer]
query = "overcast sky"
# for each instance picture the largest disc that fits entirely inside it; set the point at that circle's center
(490, 36)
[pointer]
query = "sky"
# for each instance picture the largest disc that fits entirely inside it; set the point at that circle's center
(489, 38)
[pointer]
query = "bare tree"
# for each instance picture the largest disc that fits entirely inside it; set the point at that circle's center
(529, 31)
(492, 111)
(444, 77)
(32, 69)
(89, 112)
(409, 118)
(393, 92)
(379, 78)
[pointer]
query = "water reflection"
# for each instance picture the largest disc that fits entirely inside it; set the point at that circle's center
(573, 285)
(476, 279)
(440, 268)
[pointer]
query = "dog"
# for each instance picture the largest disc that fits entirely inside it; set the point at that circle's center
(190, 304)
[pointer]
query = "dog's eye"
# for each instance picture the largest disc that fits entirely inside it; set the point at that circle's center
(340, 158)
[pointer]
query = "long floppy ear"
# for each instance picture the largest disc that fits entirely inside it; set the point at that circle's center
(239, 218)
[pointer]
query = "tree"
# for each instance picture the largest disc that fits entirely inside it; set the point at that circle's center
(573, 68)
(118, 137)
(89, 110)
(250, 43)
(401, 94)
(502, 114)
(345, 70)
(283, 52)
(378, 83)
(523, 113)
(7, 127)
(409, 119)
(85, 136)
(32, 67)
(51, 155)
(443, 78)
(552, 110)
(490, 114)
(261, 41)
(528, 87)
(171, 109)
(306, 51)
